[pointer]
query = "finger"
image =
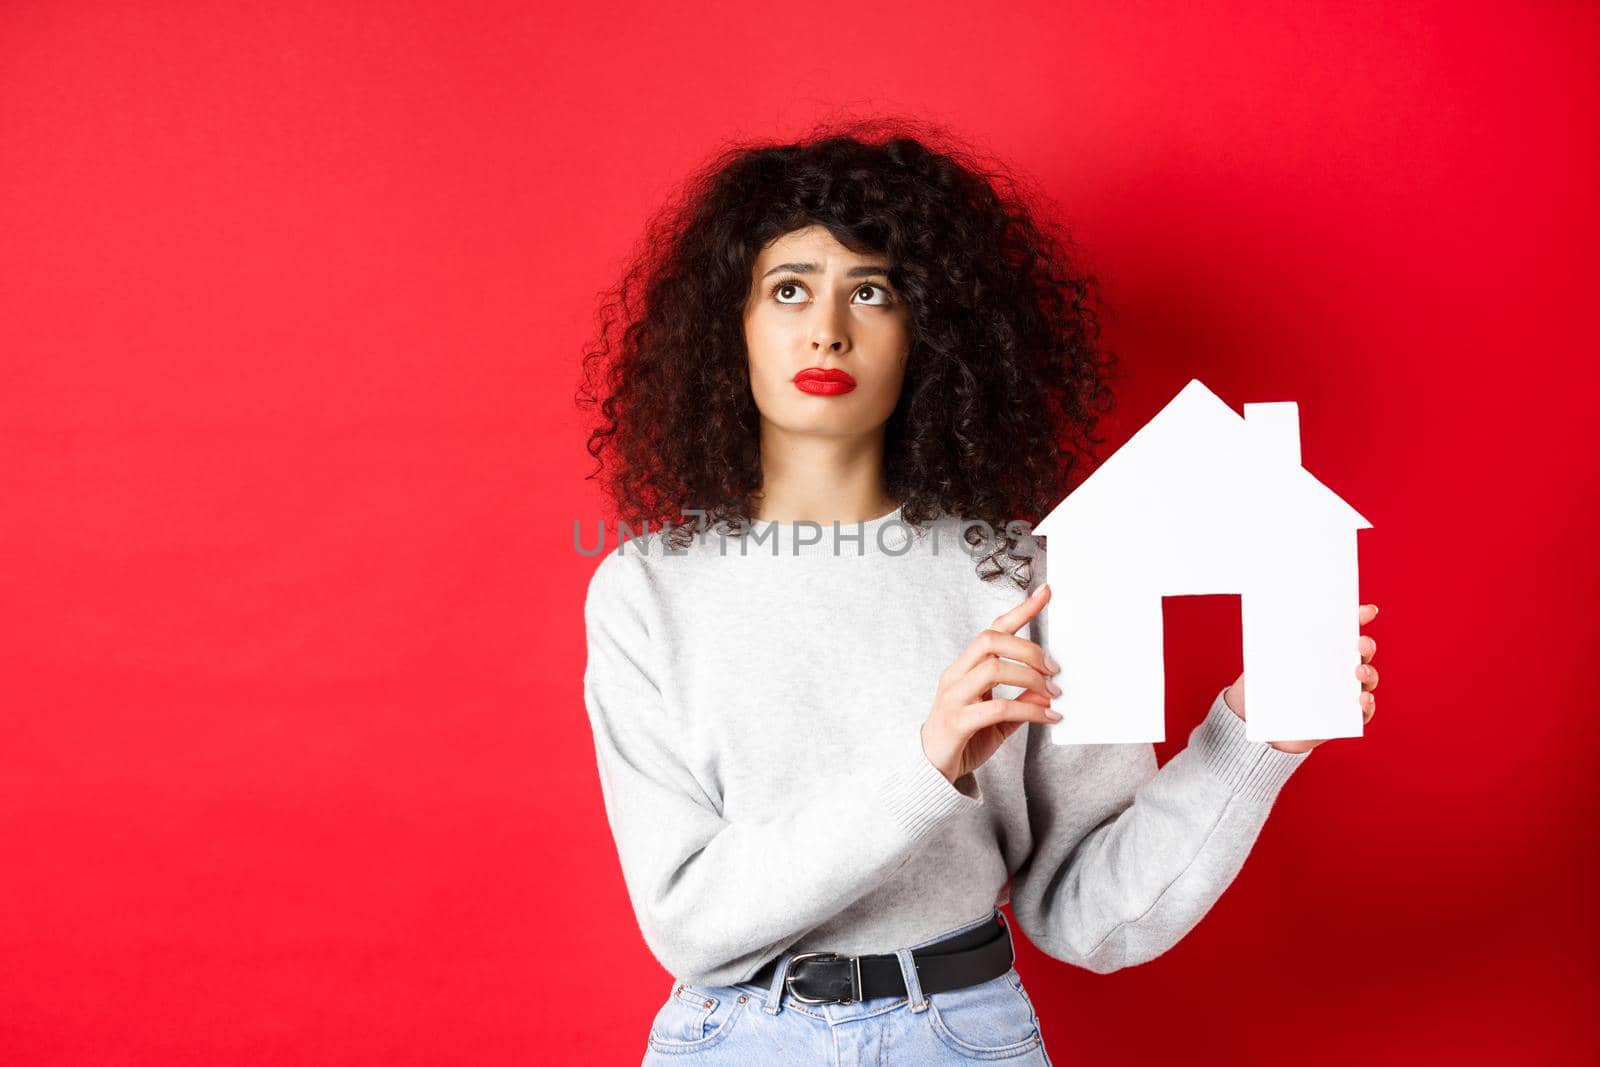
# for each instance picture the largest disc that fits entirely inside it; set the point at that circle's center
(990, 643)
(1367, 613)
(1369, 677)
(1368, 648)
(991, 671)
(1369, 707)
(975, 717)
(1012, 621)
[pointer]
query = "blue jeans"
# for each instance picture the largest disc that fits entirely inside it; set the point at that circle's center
(747, 1024)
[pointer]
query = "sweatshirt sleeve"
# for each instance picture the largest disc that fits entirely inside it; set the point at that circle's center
(1127, 859)
(715, 899)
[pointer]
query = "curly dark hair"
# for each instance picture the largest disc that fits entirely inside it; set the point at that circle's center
(1004, 382)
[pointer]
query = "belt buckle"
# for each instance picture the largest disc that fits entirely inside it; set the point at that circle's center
(855, 978)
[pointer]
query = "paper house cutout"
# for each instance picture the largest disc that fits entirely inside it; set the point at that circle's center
(1203, 501)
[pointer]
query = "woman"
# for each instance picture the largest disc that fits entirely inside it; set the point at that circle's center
(819, 710)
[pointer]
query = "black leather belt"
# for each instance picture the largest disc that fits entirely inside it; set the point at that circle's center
(956, 962)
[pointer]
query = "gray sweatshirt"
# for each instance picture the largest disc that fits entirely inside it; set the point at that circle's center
(757, 706)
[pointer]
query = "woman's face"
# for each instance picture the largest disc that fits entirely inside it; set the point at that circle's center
(814, 305)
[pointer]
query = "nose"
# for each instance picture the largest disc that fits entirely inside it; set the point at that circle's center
(827, 335)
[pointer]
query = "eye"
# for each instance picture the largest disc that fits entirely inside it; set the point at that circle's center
(781, 285)
(885, 302)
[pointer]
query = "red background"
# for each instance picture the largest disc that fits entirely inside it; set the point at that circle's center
(295, 767)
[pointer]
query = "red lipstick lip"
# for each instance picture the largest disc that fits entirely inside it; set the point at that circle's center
(824, 382)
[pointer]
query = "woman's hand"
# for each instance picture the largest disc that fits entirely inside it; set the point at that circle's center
(1233, 696)
(966, 725)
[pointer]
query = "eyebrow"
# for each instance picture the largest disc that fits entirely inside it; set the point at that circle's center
(812, 268)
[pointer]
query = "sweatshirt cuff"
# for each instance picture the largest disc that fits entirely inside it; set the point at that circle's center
(1253, 770)
(917, 794)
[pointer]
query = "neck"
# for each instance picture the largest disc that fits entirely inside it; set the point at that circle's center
(816, 478)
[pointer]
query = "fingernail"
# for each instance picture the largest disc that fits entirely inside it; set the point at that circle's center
(1055, 690)
(1051, 664)
(1052, 714)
